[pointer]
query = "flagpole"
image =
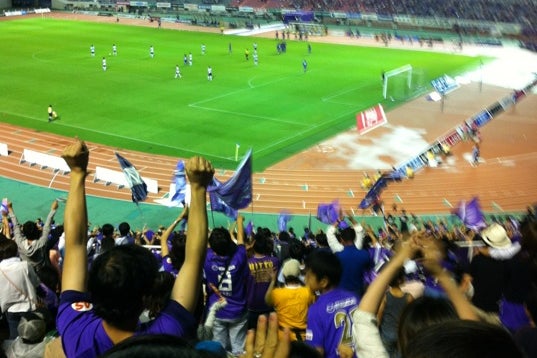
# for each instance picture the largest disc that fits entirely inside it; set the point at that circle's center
(237, 146)
(212, 217)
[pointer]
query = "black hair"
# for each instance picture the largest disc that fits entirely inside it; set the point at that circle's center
(178, 249)
(118, 280)
(30, 230)
(107, 230)
(160, 293)
(284, 236)
(421, 313)
(348, 234)
(161, 345)
(300, 349)
(399, 277)
(324, 264)
(124, 228)
(221, 243)
(296, 250)
(462, 338)
(321, 239)
(262, 245)
(8, 248)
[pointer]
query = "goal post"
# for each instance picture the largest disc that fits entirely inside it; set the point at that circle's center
(391, 73)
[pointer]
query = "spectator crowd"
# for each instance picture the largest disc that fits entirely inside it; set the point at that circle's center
(411, 288)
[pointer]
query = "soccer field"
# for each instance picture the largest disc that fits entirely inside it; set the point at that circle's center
(275, 108)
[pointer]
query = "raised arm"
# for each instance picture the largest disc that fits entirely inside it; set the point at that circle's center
(5, 225)
(185, 290)
(75, 224)
(164, 250)
(240, 230)
(46, 228)
(431, 261)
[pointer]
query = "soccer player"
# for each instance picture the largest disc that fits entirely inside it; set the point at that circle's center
(151, 51)
(255, 46)
(305, 65)
(329, 318)
(256, 58)
(190, 59)
(246, 54)
(209, 73)
(50, 113)
(177, 72)
(185, 60)
(203, 49)
(92, 50)
(104, 63)
(114, 50)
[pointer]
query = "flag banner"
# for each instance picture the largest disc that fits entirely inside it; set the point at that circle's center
(179, 179)
(219, 205)
(283, 219)
(370, 119)
(249, 229)
(471, 215)
(373, 194)
(135, 182)
(328, 213)
(237, 191)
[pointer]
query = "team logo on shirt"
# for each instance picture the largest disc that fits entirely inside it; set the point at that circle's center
(81, 306)
(309, 335)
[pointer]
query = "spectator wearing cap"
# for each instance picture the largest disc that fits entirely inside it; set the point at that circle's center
(488, 274)
(31, 340)
(291, 302)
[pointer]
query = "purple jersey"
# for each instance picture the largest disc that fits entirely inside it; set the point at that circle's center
(232, 285)
(259, 281)
(83, 334)
(168, 266)
(330, 321)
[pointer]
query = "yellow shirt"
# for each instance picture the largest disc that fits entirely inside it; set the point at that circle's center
(291, 304)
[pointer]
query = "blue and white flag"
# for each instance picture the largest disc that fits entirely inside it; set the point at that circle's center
(217, 204)
(237, 191)
(179, 179)
(134, 180)
(283, 219)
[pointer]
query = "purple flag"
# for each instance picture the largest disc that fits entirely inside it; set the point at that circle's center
(283, 219)
(134, 180)
(237, 191)
(217, 204)
(249, 229)
(328, 213)
(471, 215)
(179, 180)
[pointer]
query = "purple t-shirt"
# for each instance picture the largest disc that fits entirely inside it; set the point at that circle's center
(83, 334)
(232, 286)
(259, 281)
(330, 321)
(167, 265)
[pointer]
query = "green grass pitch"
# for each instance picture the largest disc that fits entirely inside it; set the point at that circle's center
(274, 108)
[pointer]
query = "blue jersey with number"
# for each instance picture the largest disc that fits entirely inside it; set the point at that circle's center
(330, 321)
(232, 284)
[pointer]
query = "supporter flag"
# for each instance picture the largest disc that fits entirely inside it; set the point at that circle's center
(471, 215)
(328, 213)
(134, 180)
(217, 204)
(283, 219)
(249, 229)
(237, 191)
(370, 119)
(179, 180)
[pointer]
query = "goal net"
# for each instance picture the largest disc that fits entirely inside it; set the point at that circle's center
(397, 83)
